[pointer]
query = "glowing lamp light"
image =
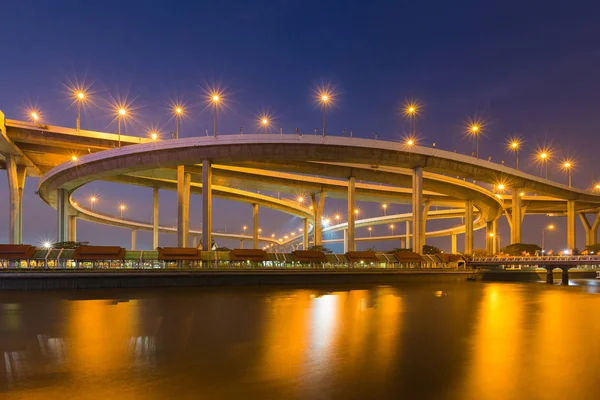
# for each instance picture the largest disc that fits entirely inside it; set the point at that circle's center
(122, 111)
(215, 98)
(500, 186)
(338, 217)
(47, 245)
(93, 199)
(543, 155)
(73, 157)
(567, 165)
(154, 136)
(300, 199)
(264, 121)
(178, 110)
(475, 128)
(34, 116)
(325, 98)
(122, 207)
(80, 95)
(491, 234)
(410, 142)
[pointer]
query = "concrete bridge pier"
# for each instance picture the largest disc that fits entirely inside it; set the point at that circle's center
(155, 219)
(516, 218)
(349, 236)
(407, 236)
(468, 226)
(453, 244)
(255, 226)
(305, 235)
(571, 228)
(549, 277)
(133, 239)
(417, 203)
(16, 183)
(565, 275)
(317, 208)
(591, 229)
(62, 214)
(183, 206)
(72, 228)
(206, 205)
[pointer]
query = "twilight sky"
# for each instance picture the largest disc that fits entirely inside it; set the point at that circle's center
(526, 68)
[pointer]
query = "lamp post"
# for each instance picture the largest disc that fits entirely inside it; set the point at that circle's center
(215, 102)
(93, 201)
(567, 165)
(265, 123)
(121, 209)
(370, 231)
(392, 228)
(384, 206)
(324, 99)
(34, 116)
(80, 98)
(515, 145)
(475, 130)
(121, 113)
(550, 227)
(178, 113)
(544, 156)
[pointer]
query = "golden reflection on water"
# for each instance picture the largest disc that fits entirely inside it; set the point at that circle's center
(457, 341)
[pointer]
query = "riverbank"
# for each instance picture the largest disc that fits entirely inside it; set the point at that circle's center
(106, 279)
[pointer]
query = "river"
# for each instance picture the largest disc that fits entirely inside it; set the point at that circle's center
(447, 340)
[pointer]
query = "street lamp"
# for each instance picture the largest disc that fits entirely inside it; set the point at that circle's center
(121, 209)
(324, 100)
(154, 135)
(215, 99)
(392, 228)
(475, 130)
(178, 111)
(34, 116)
(265, 123)
(384, 206)
(550, 227)
(411, 110)
(544, 157)
(300, 199)
(338, 217)
(121, 113)
(93, 201)
(80, 97)
(370, 231)
(514, 145)
(568, 166)
(244, 229)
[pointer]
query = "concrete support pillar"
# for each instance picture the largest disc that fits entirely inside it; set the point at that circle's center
(305, 235)
(195, 241)
(417, 209)
(318, 214)
(16, 183)
(155, 219)
(496, 241)
(345, 241)
(183, 206)
(255, 226)
(62, 213)
(516, 217)
(571, 215)
(453, 243)
(489, 238)
(424, 223)
(549, 277)
(565, 275)
(72, 228)
(206, 205)
(591, 230)
(133, 239)
(241, 243)
(407, 236)
(351, 214)
(469, 227)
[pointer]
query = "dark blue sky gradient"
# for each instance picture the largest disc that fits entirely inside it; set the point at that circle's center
(526, 68)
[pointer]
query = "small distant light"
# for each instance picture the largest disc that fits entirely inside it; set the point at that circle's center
(80, 95)
(47, 245)
(73, 158)
(122, 111)
(215, 98)
(501, 186)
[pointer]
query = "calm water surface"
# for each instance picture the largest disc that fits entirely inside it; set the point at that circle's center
(462, 340)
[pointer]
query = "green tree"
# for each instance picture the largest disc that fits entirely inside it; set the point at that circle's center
(519, 249)
(427, 249)
(320, 248)
(68, 245)
(480, 253)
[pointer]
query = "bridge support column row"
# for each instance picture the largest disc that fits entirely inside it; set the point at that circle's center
(351, 245)
(591, 230)
(206, 205)
(255, 226)
(16, 183)
(469, 227)
(305, 235)
(183, 206)
(155, 218)
(407, 235)
(62, 213)
(564, 275)
(571, 228)
(417, 208)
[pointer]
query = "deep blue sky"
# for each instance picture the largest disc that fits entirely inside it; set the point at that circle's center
(526, 68)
